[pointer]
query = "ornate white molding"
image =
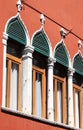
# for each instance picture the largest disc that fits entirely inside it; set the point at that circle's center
(4, 38)
(71, 71)
(63, 33)
(19, 5)
(51, 61)
(28, 52)
(42, 19)
(80, 44)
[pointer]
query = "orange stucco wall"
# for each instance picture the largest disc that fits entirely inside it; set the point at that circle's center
(12, 122)
(67, 13)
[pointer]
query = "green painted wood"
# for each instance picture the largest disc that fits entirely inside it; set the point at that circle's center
(61, 55)
(40, 43)
(78, 64)
(16, 31)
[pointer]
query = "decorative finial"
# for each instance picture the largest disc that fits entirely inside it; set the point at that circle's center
(80, 44)
(42, 19)
(63, 33)
(19, 5)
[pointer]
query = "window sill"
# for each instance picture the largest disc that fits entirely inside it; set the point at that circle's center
(35, 118)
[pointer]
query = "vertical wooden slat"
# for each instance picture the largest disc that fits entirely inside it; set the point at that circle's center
(74, 107)
(34, 93)
(43, 95)
(81, 122)
(64, 101)
(8, 83)
(56, 102)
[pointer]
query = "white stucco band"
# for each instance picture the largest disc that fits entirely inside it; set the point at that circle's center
(4, 41)
(27, 79)
(70, 97)
(50, 107)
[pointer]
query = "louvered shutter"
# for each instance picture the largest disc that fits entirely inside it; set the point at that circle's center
(78, 64)
(16, 31)
(40, 43)
(61, 55)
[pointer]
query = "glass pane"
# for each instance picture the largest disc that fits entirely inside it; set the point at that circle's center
(14, 48)
(77, 108)
(38, 94)
(14, 86)
(59, 102)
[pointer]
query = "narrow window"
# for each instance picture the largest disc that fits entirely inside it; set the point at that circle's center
(77, 95)
(39, 87)
(13, 75)
(77, 106)
(60, 100)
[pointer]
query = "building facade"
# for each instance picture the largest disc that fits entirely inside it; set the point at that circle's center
(41, 65)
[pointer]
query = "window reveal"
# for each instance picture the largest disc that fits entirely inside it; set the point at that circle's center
(77, 106)
(39, 92)
(13, 84)
(59, 99)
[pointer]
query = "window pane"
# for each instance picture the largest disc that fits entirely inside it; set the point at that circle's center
(77, 108)
(14, 86)
(59, 101)
(14, 48)
(38, 94)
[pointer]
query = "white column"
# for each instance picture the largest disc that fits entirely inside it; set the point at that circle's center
(27, 79)
(4, 41)
(70, 98)
(50, 104)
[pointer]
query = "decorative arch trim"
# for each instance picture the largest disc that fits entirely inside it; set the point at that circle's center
(16, 30)
(41, 43)
(78, 64)
(61, 54)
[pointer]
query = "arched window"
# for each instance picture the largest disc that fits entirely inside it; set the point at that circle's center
(60, 83)
(13, 74)
(16, 42)
(40, 58)
(77, 90)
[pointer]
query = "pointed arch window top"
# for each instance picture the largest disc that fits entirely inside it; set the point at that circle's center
(78, 64)
(16, 30)
(61, 54)
(41, 43)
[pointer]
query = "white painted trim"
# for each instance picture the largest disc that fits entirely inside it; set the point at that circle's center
(23, 25)
(50, 101)
(70, 97)
(27, 80)
(4, 41)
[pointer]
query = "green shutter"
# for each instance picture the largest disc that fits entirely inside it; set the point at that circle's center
(61, 54)
(15, 31)
(40, 43)
(78, 64)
